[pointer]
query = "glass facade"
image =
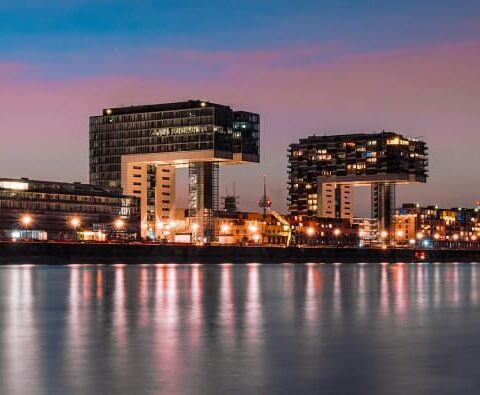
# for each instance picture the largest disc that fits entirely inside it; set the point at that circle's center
(167, 128)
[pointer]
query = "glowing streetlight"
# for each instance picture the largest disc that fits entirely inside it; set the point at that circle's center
(75, 223)
(383, 234)
(336, 232)
(252, 228)
(225, 228)
(256, 237)
(455, 237)
(419, 236)
(310, 231)
(26, 220)
(400, 233)
(436, 236)
(119, 224)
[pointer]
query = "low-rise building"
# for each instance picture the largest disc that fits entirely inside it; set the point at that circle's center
(43, 210)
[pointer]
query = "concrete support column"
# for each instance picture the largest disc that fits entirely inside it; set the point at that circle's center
(164, 200)
(203, 198)
(383, 205)
(134, 183)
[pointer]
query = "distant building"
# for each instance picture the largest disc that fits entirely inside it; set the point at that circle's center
(323, 169)
(415, 223)
(56, 210)
(138, 149)
(367, 229)
(234, 227)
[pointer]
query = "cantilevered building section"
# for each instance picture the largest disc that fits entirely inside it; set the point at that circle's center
(323, 170)
(138, 148)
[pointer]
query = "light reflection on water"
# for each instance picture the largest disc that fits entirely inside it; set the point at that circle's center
(366, 328)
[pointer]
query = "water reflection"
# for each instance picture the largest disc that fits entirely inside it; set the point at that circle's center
(221, 328)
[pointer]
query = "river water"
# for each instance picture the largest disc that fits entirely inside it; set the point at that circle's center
(254, 329)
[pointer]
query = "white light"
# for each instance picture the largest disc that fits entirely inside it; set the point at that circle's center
(310, 231)
(195, 227)
(256, 237)
(14, 185)
(26, 220)
(225, 228)
(252, 228)
(419, 235)
(75, 222)
(383, 234)
(337, 232)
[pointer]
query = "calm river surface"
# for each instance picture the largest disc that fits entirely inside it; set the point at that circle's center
(254, 329)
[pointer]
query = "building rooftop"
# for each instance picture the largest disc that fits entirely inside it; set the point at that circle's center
(77, 188)
(190, 104)
(353, 136)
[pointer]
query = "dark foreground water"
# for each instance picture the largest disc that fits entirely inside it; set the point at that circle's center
(222, 329)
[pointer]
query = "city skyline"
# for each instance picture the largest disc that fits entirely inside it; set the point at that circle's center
(351, 69)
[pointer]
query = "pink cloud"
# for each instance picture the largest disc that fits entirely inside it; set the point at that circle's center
(429, 92)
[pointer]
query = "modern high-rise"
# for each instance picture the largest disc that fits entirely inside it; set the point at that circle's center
(323, 170)
(139, 148)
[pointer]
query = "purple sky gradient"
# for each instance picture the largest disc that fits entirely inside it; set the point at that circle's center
(430, 90)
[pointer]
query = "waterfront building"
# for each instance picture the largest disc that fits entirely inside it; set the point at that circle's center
(368, 232)
(327, 232)
(139, 148)
(55, 210)
(433, 225)
(234, 228)
(323, 169)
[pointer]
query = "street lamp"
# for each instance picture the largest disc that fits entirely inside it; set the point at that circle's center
(119, 224)
(225, 228)
(75, 222)
(26, 221)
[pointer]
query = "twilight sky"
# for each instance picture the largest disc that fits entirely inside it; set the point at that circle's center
(307, 66)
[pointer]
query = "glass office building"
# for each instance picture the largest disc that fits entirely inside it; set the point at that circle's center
(129, 145)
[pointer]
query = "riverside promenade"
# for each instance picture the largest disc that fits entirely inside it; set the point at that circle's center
(60, 253)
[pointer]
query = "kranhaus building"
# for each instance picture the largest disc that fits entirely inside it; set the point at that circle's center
(323, 170)
(139, 148)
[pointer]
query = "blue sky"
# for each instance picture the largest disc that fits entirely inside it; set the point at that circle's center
(57, 26)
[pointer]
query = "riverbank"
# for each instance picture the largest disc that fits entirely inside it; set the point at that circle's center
(68, 252)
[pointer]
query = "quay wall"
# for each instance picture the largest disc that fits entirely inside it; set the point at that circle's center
(58, 253)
